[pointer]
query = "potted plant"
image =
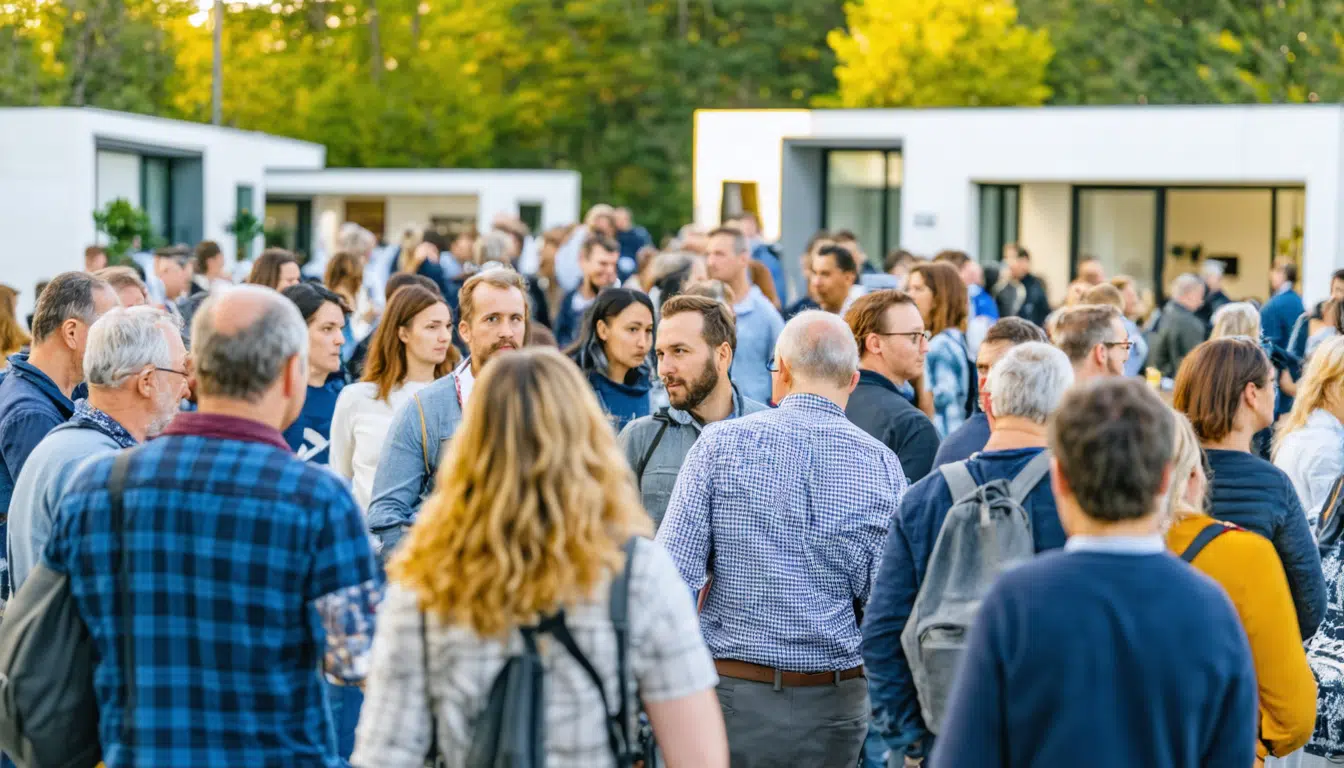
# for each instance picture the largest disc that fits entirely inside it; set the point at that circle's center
(245, 228)
(126, 226)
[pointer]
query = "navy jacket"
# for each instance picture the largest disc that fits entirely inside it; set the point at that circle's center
(623, 402)
(31, 405)
(1103, 660)
(965, 441)
(567, 321)
(905, 560)
(767, 255)
(1278, 316)
(877, 407)
(1258, 496)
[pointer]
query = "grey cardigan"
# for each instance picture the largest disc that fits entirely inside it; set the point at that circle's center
(410, 457)
(659, 472)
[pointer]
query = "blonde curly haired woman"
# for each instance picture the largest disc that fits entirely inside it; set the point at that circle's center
(533, 508)
(1247, 567)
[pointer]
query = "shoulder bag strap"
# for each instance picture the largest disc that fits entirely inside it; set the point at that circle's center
(116, 487)
(424, 438)
(959, 480)
(1031, 476)
(665, 421)
(620, 622)
(1203, 539)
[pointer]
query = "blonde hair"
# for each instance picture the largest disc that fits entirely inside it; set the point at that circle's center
(1187, 457)
(410, 240)
(532, 505)
(1240, 318)
(1319, 387)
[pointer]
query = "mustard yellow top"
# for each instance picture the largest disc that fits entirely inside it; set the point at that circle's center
(1248, 568)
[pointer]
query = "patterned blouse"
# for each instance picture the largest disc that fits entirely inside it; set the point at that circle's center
(947, 374)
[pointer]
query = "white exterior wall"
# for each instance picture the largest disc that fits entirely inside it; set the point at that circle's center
(947, 151)
(48, 190)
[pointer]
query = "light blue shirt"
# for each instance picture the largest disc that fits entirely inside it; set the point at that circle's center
(1117, 545)
(796, 526)
(758, 327)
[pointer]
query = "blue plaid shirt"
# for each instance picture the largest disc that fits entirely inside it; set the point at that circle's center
(790, 507)
(233, 542)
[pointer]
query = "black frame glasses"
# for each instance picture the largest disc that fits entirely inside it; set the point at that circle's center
(1127, 344)
(183, 374)
(914, 336)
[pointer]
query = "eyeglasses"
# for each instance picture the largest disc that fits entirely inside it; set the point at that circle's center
(1127, 345)
(772, 366)
(914, 336)
(183, 374)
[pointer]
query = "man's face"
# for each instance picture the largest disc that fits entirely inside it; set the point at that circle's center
(688, 367)
(1019, 267)
(1276, 278)
(1193, 298)
(723, 261)
(747, 226)
(605, 225)
(903, 349)
(95, 261)
(599, 268)
(622, 220)
(1214, 282)
(103, 300)
(829, 283)
(990, 353)
(325, 338)
(170, 387)
(1117, 354)
(972, 274)
(175, 277)
(498, 322)
(1091, 273)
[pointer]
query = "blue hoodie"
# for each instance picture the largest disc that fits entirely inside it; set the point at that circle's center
(624, 402)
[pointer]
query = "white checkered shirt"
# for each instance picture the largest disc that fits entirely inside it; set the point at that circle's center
(790, 507)
(668, 660)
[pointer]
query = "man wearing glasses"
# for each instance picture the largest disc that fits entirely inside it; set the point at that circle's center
(1095, 339)
(892, 343)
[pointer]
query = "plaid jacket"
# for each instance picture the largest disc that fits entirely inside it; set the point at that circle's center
(233, 542)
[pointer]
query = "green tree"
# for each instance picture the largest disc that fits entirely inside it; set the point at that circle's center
(939, 53)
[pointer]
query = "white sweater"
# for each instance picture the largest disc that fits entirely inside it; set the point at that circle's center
(359, 427)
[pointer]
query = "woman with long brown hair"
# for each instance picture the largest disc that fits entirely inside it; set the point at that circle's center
(944, 303)
(276, 269)
(531, 514)
(412, 347)
(12, 336)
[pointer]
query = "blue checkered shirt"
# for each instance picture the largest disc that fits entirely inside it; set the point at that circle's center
(231, 543)
(790, 508)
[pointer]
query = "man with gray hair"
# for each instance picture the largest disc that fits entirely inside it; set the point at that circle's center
(1212, 271)
(248, 568)
(1025, 387)
(37, 392)
(1179, 330)
(794, 505)
(136, 369)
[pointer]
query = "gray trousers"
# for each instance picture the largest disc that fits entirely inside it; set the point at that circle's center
(818, 727)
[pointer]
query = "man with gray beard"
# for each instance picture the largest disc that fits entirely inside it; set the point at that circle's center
(136, 367)
(696, 341)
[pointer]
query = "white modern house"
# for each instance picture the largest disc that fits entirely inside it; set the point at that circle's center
(1150, 191)
(58, 165)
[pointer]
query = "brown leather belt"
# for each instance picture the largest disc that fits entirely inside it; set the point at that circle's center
(741, 670)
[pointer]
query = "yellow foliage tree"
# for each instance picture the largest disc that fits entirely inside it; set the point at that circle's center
(938, 53)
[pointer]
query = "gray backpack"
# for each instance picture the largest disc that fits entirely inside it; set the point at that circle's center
(986, 532)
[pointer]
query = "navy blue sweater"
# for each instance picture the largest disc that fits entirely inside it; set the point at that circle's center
(1103, 660)
(965, 441)
(904, 562)
(1258, 496)
(310, 434)
(877, 407)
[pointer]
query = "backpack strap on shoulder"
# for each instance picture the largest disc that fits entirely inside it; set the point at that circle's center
(1204, 538)
(620, 622)
(424, 437)
(664, 421)
(616, 734)
(1031, 476)
(959, 480)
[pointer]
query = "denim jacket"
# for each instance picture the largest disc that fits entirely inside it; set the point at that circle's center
(411, 452)
(682, 430)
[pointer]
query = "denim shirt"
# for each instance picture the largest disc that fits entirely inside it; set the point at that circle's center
(411, 454)
(947, 372)
(758, 327)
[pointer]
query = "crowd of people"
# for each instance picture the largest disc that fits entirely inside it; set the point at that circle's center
(354, 510)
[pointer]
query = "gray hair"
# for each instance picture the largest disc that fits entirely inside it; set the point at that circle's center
(819, 346)
(126, 340)
(354, 238)
(1240, 318)
(739, 239)
(1029, 382)
(68, 295)
(1213, 268)
(670, 263)
(245, 363)
(491, 246)
(1184, 284)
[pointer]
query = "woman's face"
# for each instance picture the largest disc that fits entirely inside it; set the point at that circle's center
(1262, 404)
(922, 294)
(1193, 493)
(289, 275)
(325, 338)
(428, 335)
(628, 336)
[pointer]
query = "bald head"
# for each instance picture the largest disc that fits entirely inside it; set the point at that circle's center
(818, 347)
(242, 340)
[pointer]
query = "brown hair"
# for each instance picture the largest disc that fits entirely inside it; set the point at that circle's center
(957, 259)
(1106, 293)
(499, 277)
(205, 251)
(266, 269)
(1112, 438)
(761, 277)
(1211, 380)
(865, 314)
(719, 324)
(12, 336)
(122, 277)
(92, 253)
(1014, 330)
(386, 366)
(594, 241)
(343, 273)
(1079, 329)
(403, 279)
(950, 299)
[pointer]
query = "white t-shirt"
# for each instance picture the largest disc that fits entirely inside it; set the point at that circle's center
(358, 430)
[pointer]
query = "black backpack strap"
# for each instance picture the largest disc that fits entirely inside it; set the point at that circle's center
(620, 622)
(665, 421)
(1203, 538)
(116, 487)
(616, 736)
